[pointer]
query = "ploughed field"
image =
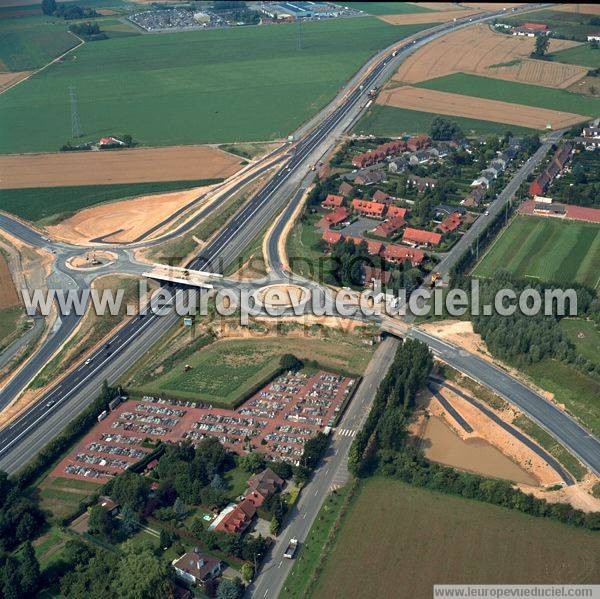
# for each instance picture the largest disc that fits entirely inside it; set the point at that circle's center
(398, 541)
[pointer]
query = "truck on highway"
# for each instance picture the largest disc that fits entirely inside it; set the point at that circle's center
(373, 92)
(291, 548)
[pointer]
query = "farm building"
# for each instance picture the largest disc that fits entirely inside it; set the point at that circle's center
(531, 29)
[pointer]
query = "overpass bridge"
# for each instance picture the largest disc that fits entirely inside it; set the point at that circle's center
(183, 276)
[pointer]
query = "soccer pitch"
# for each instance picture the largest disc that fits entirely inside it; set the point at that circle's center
(546, 249)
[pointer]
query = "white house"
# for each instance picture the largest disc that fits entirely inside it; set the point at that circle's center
(196, 568)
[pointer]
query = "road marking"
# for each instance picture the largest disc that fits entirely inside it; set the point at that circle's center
(266, 593)
(281, 562)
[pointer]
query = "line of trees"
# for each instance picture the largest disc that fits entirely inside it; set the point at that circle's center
(384, 427)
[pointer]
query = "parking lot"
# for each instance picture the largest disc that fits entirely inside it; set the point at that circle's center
(277, 421)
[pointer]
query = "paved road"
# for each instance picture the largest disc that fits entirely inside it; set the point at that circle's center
(333, 473)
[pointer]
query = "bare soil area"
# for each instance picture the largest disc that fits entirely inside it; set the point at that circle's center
(123, 221)
(136, 165)
(413, 98)
(8, 293)
(481, 51)
(588, 9)
(428, 17)
(8, 79)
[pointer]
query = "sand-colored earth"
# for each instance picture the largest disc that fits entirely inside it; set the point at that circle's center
(9, 79)
(123, 221)
(414, 98)
(8, 293)
(428, 17)
(283, 296)
(480, 50)
(588, 9)
(137, 165)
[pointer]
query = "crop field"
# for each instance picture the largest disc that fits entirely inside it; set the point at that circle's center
(456, 104)
(398, 541)
(390, 121)
(480, 50)
(222, 85)
(583, 55)
(225, 371)
(31, 42)
(515, 93)
(546, 249)
(50, 204)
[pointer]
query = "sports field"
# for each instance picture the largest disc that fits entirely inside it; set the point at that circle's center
(226, 371)
(389, 121)
(222, 85)
(514, 92)
(398, 541)
(546, 249)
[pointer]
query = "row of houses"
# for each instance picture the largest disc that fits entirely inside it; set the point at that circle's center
(391, 252)
(391, 148)
(557, 165)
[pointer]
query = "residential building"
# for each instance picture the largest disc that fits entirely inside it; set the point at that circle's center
(337, 217)
(420, 157)
(381, 196)
(421, 183)
(489, 173)
(394, 211)
(532, 29)
(346, 189)
(421, 237)
(369, 209)
(397, 165)
(331, 237)
(418, 142)
(398, 253)
(333, 201)
(197, 568)
(450, 223)
(372, 274)
(370, 178)
(109, 505)
(266, 482)
(389, 227)
(594, 37)
(481, 181)
(238, 519)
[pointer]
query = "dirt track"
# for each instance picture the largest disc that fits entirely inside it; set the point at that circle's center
(176, 163)
(480, 50)
(8, 79)
(414, 98)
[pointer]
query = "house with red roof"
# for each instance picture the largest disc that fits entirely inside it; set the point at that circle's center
(366, 208)
(373, 247)
(338, 216)
(396, 211)
(389, 227)
(418, 142)
(332, 201)
(331, 237)
(238, 519)
(399, 253)
(108, 142)
(531, 29)
(421, 237)
(450, 223)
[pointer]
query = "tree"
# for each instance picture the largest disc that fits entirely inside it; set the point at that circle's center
(131, 489)
(542, 42)
(247, 572)
(100, 521)
(230, 589)
(253, 462)
(48, 7)
(290, 362)
(443, 129)
(140, 574)
(218, 483)
(29, 570)
(179, 509)
(130, 521)
(165, 539)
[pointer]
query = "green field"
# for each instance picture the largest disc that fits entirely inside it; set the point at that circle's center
(227, 371)
(583, 55)
(56, 203)
(546, 249)
(577, 391)
(387, 8)
(221, 85)
(398, 541)
(31, 42)
(388, 121)
(588, 345)
(517, 93)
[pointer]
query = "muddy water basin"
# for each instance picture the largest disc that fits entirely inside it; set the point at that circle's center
(441, 444)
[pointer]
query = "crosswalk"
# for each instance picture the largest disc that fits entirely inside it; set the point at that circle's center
(346, 432)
